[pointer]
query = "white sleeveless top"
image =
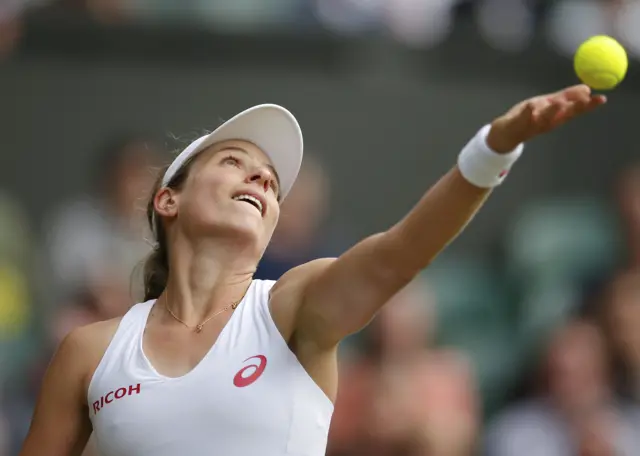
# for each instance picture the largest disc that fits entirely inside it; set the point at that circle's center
(248, 396)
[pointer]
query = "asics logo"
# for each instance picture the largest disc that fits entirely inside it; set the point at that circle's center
(250, 373)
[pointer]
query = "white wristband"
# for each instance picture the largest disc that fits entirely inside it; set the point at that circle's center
(483, 167)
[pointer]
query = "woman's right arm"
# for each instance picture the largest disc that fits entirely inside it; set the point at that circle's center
(61, 425)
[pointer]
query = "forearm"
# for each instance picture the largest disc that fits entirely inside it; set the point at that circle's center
(375, 269)
(451, 203)
(440, 215)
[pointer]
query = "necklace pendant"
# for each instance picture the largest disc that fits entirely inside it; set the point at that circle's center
(198, 328)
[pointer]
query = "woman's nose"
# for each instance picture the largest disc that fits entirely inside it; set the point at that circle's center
(261, 176)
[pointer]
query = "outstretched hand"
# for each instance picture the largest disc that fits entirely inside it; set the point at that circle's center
(539, 115)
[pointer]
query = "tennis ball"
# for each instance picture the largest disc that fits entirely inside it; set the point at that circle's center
(601, 62)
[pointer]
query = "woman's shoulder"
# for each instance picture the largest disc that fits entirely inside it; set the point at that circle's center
(96, 335)
(86, 345)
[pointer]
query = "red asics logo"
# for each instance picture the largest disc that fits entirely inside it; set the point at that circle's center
(240, 380)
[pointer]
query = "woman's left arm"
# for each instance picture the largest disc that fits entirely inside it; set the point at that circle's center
(337, 297)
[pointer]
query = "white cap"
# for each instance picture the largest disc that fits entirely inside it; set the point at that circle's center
(270, 127)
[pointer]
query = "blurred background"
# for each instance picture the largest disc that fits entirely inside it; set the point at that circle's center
(523, 338)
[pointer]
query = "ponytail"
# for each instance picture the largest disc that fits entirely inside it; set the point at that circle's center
(156, 273)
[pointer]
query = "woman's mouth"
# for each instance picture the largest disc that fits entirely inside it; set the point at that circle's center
(255, 202)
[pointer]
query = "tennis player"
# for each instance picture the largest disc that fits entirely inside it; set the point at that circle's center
(216, 363)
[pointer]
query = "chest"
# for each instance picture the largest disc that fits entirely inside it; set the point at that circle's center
(174, 350)
(251, 393)
(244, 393)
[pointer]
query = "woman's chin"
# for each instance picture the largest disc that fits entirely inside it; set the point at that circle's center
(244, 227)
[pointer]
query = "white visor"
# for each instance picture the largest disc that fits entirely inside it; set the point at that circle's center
(270, 127)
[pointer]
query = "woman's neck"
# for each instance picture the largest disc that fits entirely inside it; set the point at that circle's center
(204, 279)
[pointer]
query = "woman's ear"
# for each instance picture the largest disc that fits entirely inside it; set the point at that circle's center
(165, 202)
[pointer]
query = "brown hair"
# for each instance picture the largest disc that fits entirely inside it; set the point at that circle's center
(156, 266)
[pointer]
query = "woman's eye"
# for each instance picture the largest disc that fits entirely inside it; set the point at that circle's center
(230, 160)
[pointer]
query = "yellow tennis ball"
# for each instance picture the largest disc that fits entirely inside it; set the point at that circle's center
(601, 62)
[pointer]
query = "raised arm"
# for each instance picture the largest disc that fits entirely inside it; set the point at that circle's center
(336, 297)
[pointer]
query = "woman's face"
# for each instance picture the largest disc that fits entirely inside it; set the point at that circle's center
(231, 191)
(578, 366)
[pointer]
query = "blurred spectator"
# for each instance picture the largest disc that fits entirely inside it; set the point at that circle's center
(570, 22)
(97, 240)
(10, 33)
(15, 261)
(627, 20)
(4, 434)
(507, 25)
(422, 23)
(475, 315)
(107, 11)
(623, 318)
(549, 260)
(247, 15)
(349, 16)
(578, 412)
(17, 337)
(82, 310)
(399, 398)
(237, 15)
(629, 206)
(301, 234)
(10, 25)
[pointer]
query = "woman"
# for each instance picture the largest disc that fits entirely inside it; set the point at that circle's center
(217, 363)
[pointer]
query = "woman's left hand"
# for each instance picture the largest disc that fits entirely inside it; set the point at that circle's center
(539, 115)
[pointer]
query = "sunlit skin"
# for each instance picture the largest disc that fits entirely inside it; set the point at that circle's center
(214, 244)
(205, 208)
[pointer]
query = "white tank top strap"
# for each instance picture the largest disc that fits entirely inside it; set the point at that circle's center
(248, 316)
(262, 314)
(128, 335)
(264, 308)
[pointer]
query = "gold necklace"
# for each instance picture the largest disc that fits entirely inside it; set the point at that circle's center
(198, 328)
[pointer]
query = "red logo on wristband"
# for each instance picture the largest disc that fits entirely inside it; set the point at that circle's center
(503, 173)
